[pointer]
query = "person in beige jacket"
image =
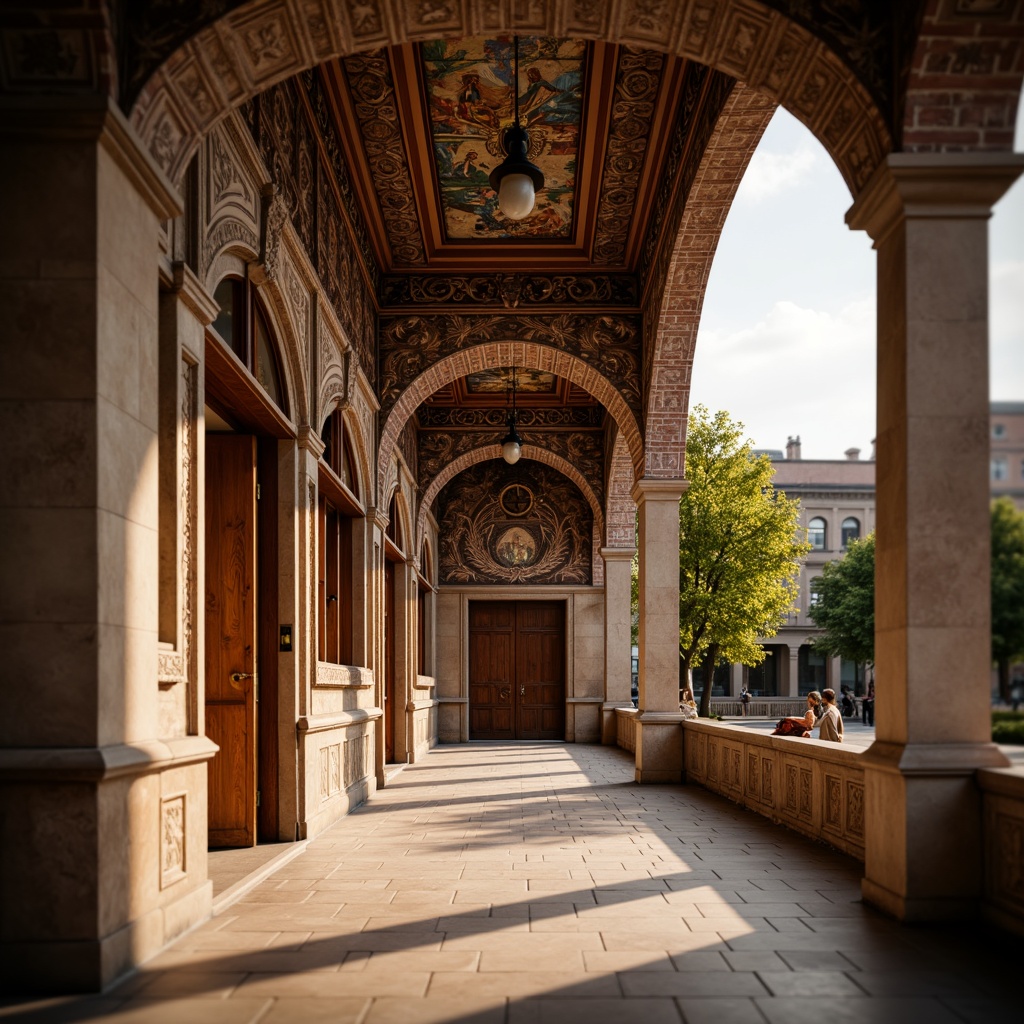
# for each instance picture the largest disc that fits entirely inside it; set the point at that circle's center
(830, 725)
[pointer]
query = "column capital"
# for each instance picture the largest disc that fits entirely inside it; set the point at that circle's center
(656, 489)
(618, 554)
(960, 185)
(309, 440)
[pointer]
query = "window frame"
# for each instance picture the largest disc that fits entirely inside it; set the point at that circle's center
(823, 546)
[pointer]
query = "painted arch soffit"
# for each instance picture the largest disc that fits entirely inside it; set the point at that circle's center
(862, 31)
(583, 450)
(411, 345)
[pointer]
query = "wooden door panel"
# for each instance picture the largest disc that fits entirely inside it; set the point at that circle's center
(231, 637)
(516, 670)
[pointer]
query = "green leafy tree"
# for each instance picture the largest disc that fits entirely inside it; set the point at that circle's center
(845, 604)
(738, 549)
(1007, 589)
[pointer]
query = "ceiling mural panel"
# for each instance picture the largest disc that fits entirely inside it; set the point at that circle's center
(511, 290)
(539, 534)
(469, 92)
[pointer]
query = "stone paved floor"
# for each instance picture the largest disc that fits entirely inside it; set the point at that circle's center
(525, 883)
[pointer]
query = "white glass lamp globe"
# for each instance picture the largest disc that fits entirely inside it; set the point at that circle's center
(516, 196)
(510, 452)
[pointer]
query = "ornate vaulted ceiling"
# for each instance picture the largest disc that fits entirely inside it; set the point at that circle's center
(421, 124)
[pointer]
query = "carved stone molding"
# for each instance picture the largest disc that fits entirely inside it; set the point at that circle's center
(173, 839)
(510, 290)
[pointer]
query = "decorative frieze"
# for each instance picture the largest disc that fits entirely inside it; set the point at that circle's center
(510, 290)
(173, 866)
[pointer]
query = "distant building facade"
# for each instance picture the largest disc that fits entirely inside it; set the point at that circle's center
(837, 506)
(1006, 464)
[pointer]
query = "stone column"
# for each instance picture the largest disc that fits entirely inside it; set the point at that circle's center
(617, 653)
(927, 215)
(659, 734)
(793, 671)
(101, 815)
(735, 679)
(834, 674)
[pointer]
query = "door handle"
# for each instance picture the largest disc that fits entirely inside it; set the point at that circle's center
(237, 677)
(522, 690)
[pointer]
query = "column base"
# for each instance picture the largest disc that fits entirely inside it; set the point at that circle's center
(923, 857)
(659, 747)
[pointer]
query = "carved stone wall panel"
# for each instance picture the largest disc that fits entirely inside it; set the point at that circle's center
(510, 290)
(373, 92)
(229, 191)
(173, 843)
(485, 538)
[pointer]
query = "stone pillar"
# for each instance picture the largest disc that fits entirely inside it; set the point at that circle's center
(735, 679)
(617, 647)
(102, 815)
(927, 215)
(659, 734)
(834, 674)
(793, 671)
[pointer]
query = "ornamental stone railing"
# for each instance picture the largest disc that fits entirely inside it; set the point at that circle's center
(1003, 832)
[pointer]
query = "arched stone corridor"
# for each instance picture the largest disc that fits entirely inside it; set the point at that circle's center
(266, 328)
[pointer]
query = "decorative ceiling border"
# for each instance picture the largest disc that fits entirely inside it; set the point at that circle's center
(639, 77)
(372, 88)
(444, 417)
(510, 290)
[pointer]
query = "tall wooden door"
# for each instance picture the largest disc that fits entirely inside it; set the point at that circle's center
(517, 670)
(231, 663)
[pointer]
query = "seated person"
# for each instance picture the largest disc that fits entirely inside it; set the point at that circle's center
(802, 726)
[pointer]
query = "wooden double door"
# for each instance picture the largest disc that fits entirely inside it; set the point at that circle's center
(516, 670)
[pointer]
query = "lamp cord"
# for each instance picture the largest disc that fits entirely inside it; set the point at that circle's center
(515, 79)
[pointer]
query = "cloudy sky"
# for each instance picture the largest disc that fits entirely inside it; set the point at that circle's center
(787, 335)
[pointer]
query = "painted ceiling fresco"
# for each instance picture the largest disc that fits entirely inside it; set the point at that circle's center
(489, 382)
(469, 92)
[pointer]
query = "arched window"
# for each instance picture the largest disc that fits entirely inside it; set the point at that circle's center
(816, 534)
(242, 325)
(394, 530)
(338, 511)
(851, 531)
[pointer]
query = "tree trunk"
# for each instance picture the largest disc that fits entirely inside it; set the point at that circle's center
(1004, 680)
(709, 677)
(684, 678)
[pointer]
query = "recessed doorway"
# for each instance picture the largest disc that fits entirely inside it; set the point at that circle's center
(517, 670)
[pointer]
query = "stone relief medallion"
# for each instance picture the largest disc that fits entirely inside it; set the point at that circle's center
(515, 547)
(516, 499)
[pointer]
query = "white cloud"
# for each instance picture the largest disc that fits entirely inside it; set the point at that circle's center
(795, 371)
(1006, 330)
(770, 173)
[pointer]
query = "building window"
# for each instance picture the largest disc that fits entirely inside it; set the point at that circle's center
(999, 468)
(851, 531)
(814, 592)
(810, 670)
(998, 430)
(242, 326)
(816, 533)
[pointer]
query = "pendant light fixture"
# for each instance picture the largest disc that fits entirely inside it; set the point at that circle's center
(512, 445)
(515, 179)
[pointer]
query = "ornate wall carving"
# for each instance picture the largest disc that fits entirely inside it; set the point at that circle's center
(173, 865)
(411, 344)
(311, 186)
(540, 533)
(510, 290)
